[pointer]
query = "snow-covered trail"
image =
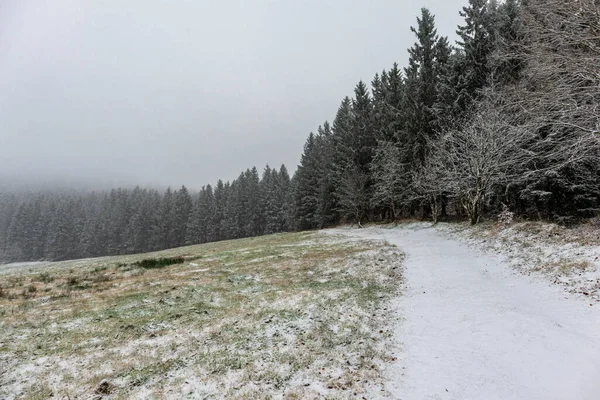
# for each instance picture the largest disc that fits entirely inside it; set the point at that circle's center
(471, 328)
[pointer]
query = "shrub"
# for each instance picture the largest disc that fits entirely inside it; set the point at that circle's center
(506, 217)
(151, 263)
(72, 281)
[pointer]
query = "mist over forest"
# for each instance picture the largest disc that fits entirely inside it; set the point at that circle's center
(503, 120)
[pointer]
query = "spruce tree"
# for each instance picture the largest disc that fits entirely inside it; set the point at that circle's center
(207, 206)
(307, 186)
(218, 215)
(477, 43)
(354, 141)
(285, 200)
(268, 201)
(421, 89)
(253, 224)
(326, 213)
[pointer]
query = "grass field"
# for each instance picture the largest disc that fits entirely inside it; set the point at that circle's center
(293, 316)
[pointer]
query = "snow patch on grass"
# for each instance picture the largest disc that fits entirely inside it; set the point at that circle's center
(569, 257)
(296, 316)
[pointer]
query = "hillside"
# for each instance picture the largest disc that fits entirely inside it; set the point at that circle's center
(294, 315)
(453, 312)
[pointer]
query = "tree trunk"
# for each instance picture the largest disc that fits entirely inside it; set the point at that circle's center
(444, 204)
(434, 208)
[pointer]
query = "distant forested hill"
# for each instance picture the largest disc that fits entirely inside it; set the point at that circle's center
(505, 120)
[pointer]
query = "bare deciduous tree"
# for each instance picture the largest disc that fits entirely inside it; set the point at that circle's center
(389, 178)
(491, 152)
(431, 182)
(469, 163)
(561, 49)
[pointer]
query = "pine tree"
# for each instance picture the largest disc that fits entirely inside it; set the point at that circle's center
(326, 213)
(194, 230)
(507, 62)
(164, 228)
(388, 103)
(285, 200)
(218, 215)
(307, 187)
(8, 207)
(354, 141)
(207, 206)
(16, 238)
(63, 232)
(253, 225)
(392, 115)
(179, 215)
(341, 140)
(477, 42)
(421, 89)
(268, 201)
(232, 225)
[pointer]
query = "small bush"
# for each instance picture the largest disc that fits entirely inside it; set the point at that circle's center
(506, 217)
(151, 263)
(72, 281)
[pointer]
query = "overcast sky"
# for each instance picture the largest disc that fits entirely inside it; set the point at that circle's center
(161, 92)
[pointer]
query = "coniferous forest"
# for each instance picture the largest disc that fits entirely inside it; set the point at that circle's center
(505, 119)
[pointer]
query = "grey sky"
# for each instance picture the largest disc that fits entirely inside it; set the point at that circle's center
(184, 92)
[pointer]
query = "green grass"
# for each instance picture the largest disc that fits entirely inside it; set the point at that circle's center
(275, 316)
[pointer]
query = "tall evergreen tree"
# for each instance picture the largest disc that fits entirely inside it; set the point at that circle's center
(421, 89)
(208, 206)
(507, 61)
(285, 199)
(355, 142)
(326, 214)
(268, 201)
(180, 214)
(477, 40)
(253, 224)
(307, 186)
(218, 215)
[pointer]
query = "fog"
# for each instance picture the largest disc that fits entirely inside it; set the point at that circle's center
(107, 93)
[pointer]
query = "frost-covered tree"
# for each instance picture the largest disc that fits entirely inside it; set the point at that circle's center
(355, 142)
(390, 179)
(421, 91)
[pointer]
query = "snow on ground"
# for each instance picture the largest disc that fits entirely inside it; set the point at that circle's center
(569, 257)
(310, 320)
(472, 327)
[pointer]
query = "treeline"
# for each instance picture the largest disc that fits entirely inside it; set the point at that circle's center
(59, 226)
(506, 120)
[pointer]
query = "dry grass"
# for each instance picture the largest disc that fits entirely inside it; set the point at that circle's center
(568, 256)
(565, 267)
(285, 316)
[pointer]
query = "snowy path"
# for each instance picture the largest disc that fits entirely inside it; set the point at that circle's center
(471, 328)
